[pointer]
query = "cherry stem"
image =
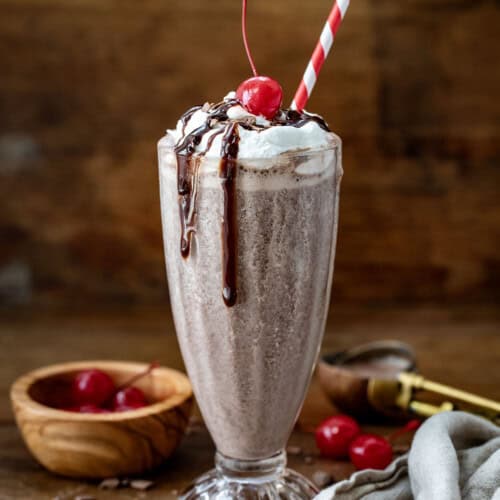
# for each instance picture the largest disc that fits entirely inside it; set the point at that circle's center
(135, 378)
(411, 426)
(130, 381)
(245, 38)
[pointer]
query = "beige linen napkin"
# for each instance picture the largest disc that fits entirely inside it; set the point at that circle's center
(454, 456)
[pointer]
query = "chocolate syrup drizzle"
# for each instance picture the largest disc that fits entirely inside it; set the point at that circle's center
(298, 119)
(188, 164)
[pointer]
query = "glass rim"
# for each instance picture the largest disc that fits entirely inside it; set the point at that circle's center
(335, 144)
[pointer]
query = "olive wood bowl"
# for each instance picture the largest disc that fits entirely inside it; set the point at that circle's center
(101, 445)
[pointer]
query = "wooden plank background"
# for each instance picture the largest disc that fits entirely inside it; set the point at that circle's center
(88, 86)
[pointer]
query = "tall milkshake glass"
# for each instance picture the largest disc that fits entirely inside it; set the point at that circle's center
(249, 246)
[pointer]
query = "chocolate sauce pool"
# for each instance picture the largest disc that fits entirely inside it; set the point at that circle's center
(188, 164)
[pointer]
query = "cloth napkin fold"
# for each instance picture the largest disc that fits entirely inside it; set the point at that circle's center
(454, 456)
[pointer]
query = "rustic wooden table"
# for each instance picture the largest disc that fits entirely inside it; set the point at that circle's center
(458, 346)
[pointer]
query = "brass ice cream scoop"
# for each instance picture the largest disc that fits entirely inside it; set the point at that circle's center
(378, 380)
(401, 393)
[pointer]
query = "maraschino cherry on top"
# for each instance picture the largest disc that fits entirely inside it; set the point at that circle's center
(259, 95)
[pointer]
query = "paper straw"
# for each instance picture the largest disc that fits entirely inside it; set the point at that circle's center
(319, 55)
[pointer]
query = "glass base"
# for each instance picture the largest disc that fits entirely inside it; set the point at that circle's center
(266, 479)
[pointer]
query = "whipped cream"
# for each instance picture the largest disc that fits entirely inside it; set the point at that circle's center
(265, 139)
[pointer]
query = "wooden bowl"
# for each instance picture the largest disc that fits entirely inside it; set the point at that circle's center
(347, 388)
(101, 445)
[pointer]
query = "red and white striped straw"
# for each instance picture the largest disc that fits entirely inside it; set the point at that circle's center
(319, 55)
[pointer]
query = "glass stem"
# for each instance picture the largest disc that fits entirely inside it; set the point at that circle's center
(251, 471)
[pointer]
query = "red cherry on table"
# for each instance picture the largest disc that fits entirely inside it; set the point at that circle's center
(369, 451)
(92, 387)
(261, 96)
(130, 398)
(334, 435)
(88, 408)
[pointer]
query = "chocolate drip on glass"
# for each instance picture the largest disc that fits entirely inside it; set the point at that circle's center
(227, 172)
(187, 176)
(188, 164)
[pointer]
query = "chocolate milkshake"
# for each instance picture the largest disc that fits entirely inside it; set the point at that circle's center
(249, 211)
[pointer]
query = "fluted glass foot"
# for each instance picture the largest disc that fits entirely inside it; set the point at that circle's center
(266, 479)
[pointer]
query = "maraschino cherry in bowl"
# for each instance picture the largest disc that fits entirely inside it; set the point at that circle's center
(135, 423)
